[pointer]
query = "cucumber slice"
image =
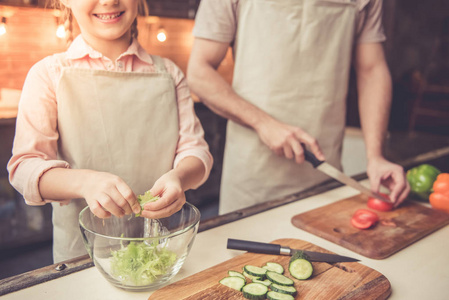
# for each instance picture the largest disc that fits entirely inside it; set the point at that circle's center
(275, 267)
(255, 271)
(252, 277)
(235, 273)
(279, 278)
(272, 295)
(255, 291)
(266, 282)
(234, 282)
(284, 289)
(300, 268)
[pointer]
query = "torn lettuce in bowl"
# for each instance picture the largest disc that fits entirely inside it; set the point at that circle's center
(140, 264)
(128, 257)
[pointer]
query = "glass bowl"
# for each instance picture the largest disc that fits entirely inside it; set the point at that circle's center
(136, 253)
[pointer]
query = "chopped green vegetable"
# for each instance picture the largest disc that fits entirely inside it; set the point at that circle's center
(144, 199)
(234, 282)
(255, 271)
(254, 291)
(298, 254)
(272, 266)
(272, 295)
(140, 264)
(301, 268)
(236, 274)
(279, 278)
(266, 282)
(289, 290)
(251, 276)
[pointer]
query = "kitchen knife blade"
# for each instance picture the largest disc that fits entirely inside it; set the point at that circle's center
(340, 176)
(277, 249)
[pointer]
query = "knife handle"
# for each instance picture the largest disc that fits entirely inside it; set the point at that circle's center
(311, 158)
(254, 246)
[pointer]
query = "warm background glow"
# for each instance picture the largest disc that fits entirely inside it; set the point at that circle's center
(31, 36)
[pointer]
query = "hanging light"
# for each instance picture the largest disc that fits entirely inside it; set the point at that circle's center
(3, 26)
(60, 31)
(161, 35)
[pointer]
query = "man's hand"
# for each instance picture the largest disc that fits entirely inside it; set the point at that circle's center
(285, 140)
(392, 176)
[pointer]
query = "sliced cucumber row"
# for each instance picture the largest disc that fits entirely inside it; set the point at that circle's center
(269, 281)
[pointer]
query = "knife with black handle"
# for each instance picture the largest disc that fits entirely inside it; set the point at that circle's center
(340, 176)
(266, 248)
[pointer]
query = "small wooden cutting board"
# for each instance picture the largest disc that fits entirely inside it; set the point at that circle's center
(396, 229)
(329, 281)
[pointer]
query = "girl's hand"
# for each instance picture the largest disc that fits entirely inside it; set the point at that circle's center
(108, 194)
(169, 188)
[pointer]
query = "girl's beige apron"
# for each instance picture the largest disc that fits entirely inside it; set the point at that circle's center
(124, 123)
(292, 59)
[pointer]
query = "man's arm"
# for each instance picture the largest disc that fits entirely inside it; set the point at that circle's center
(205, 81)
(374, 91)
(216, 93)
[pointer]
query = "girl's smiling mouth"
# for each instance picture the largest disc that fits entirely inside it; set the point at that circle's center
(109, 16)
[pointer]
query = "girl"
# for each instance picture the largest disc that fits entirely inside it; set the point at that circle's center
(103, 122)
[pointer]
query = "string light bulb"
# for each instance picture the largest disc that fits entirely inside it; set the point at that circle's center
(3, 26)
(161, 35)
(60, 31)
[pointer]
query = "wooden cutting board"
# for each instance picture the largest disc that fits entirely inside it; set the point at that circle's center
(396, 230)
(329, 281)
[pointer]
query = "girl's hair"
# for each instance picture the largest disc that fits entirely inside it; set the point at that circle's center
(67, 18)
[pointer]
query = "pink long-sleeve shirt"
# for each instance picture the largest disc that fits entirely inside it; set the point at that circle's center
(35, 143)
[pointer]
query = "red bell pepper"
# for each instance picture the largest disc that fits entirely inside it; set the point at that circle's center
(439, 199)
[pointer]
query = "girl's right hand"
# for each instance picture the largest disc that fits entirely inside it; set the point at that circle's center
(108, 194)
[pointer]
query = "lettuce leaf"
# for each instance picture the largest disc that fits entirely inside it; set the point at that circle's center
(139, 264)
(144, 199)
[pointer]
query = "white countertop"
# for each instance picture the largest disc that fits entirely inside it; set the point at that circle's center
(420, 271)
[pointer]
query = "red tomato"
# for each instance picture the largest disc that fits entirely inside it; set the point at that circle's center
(380, 205)
(364, 219)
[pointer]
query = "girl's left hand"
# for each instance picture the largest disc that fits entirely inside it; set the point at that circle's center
(169, 188)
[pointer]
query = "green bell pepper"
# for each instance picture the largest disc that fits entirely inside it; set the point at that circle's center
(421, 180)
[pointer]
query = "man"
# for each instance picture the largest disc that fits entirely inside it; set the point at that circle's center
(292, 64)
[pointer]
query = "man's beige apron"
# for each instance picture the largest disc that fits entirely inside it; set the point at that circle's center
(124, 123)
(292, 59)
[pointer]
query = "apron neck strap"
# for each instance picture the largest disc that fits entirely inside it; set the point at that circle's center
(158, 64)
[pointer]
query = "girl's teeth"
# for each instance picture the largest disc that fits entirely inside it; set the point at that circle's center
(108, 17)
